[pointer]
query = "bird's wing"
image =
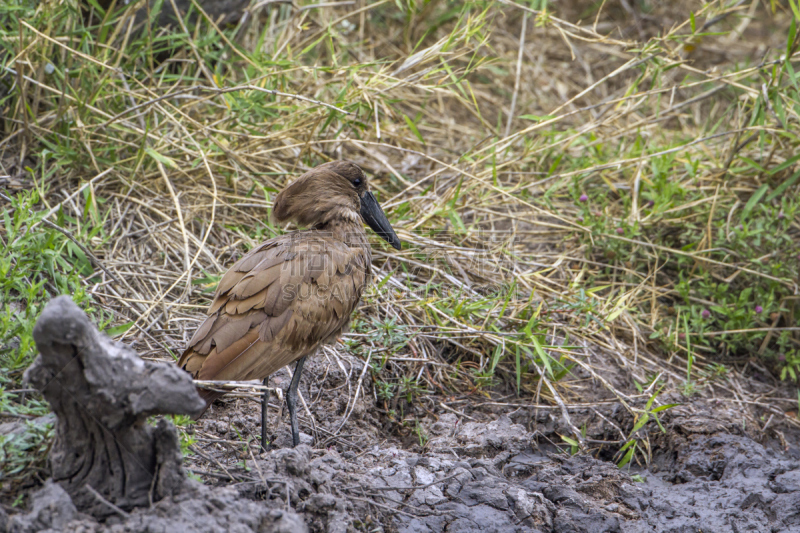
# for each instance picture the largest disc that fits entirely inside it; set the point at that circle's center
(276, 304)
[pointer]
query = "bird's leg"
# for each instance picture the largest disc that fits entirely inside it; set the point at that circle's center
(291, 401)
(264, 406)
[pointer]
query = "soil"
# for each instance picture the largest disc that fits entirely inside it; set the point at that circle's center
(488, 469)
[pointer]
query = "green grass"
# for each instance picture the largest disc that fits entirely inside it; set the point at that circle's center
(23, 459)
(36, 264)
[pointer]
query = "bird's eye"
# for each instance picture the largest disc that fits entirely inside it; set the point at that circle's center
(356, 182)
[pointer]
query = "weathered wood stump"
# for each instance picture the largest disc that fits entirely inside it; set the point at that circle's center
(105, 453)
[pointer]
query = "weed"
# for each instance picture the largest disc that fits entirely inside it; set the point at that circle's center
(385, 390)
(574, 445)
(411, 388)
(790, 362)
(37, 263)
(641, 443)
(184, 424)
(389, 333)
(422, 435)
(23, 454)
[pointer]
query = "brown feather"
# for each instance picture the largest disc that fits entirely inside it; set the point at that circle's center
(292, 293)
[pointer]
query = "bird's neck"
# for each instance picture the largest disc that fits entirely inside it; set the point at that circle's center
(346, 229)
(351, 232)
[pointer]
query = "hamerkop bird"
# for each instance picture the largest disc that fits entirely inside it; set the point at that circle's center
(289, 295)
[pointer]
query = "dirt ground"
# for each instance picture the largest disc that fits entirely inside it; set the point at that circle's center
(478, 467)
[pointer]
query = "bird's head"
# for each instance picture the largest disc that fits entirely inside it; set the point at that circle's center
(335, 190)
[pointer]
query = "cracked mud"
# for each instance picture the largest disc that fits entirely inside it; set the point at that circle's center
(475, 477)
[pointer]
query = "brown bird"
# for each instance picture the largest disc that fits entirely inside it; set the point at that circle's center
(289, 295)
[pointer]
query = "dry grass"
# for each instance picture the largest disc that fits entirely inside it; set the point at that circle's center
(482, 125)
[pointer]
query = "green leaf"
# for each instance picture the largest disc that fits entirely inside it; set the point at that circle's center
(510, 292)
(414, 129)
(628, 457)
(206, 279)
(160, 158)
(652, 399)
(795, 8)
(689, 354)
(615, 313)
(658, 421)
(751, 203)
(777, 104)
(571, 442)
(640, 423)
(457, 193)
(693, 22)
(664, 407)
(537, 118)
(313, 45)
(380, 285)
(792, 74)
(542, 354)
(96, 5)
(752, 163)
(780, 189)
(498, 351)
(786, 164)
(118, 330)
(455, 218)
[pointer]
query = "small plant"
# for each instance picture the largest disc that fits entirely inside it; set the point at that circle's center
(641, 443)
(790, 362)
(389, 333)
(641, 387)
(574, 445)
(384, 390)
(484, 379)
(37, 262)
(422, 435)
(411, 388)
(184, 425)
(23, 454)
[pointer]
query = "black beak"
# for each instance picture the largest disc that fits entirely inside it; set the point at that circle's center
(376, 219)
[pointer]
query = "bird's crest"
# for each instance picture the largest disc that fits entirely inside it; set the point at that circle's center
(323, 194)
